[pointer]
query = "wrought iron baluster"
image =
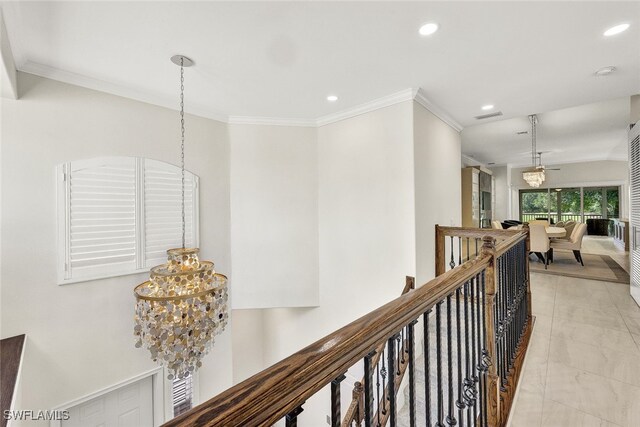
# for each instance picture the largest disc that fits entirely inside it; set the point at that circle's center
(451, 419)
(391, 385)
(336, 418)
(459, 250)
(291, 419)
(368, 389)
(439, 423)
(399, 344)
(473, 330)
(452, 263)
(427, 367)
(468, 381)
(486, 361)
(459, 401)
(412, 381)
(468, 250)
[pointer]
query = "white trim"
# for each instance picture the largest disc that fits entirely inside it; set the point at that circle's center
(421, 98)
(376, 104)
(159, 402)
(271, 121)
(115, 89)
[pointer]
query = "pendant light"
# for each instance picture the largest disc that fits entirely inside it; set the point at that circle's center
(183, 305)
(535, 176)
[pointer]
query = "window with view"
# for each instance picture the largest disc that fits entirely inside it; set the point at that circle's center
(564, 204)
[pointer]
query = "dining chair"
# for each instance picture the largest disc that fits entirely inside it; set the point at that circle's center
(574, 243)
(539, 242)
(569, 226)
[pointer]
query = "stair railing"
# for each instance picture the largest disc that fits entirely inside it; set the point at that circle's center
(472, 324)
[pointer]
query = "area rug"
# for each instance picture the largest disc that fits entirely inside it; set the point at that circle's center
(596, 267)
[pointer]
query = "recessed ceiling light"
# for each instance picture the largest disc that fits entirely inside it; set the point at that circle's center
(332, 98)
(616, 30)
(487, 107)
(428, 29)
(605, 71)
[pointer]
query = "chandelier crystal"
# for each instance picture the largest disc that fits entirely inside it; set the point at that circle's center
(183, 305)
(535, 176)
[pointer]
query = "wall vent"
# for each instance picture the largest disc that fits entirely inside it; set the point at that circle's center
(488, 116)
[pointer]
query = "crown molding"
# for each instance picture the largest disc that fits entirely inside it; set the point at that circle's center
(270, 121)
(470, 160)
(150, 98)
(421, 98)
(115, 89)
(376, 104)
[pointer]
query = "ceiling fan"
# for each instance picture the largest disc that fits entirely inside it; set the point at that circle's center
(540, 165)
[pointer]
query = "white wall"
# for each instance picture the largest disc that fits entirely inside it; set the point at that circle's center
(248, 343)
(367, 234)
(437, 185)
(274, 216)
(80, 336)
(501, 175)
(585, 174)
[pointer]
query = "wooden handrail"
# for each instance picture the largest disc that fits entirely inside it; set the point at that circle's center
(11, 350)
(504, 240)
(355, 407)
(268, 396)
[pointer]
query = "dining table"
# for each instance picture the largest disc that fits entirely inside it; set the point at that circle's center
(554, 232)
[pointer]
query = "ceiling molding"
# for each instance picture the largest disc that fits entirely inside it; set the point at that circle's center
(471, 161)
(421, 98)
(131, 93)
(376, 104)
(271, 121)
(115, 89)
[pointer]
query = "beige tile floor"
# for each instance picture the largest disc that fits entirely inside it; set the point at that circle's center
(583, 364)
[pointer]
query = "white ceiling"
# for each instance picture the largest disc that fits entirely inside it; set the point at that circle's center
(596, 131)
(269, 59)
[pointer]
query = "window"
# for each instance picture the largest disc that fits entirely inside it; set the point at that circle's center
(118, 215)
(182, 395)
(563, 204)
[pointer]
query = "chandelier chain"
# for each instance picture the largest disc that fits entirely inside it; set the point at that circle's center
(182, 143)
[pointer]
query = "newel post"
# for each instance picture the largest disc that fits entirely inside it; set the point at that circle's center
(493, 399)
(440, 262)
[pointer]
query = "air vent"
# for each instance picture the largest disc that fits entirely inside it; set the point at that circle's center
(488, 116)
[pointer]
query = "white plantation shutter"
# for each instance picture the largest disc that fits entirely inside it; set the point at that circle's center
(119, 215)
(182, 395)
(163, 210)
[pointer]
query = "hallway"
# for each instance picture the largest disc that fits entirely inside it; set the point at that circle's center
(583, 366)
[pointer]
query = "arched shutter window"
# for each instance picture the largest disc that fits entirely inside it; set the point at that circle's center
(119, 215)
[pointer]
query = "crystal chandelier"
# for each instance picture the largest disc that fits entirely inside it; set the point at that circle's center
(184, 304)
(534, 177)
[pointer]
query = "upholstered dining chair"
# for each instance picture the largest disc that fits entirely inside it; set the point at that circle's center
(539, 242)
(569, 226)
(574, 243)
